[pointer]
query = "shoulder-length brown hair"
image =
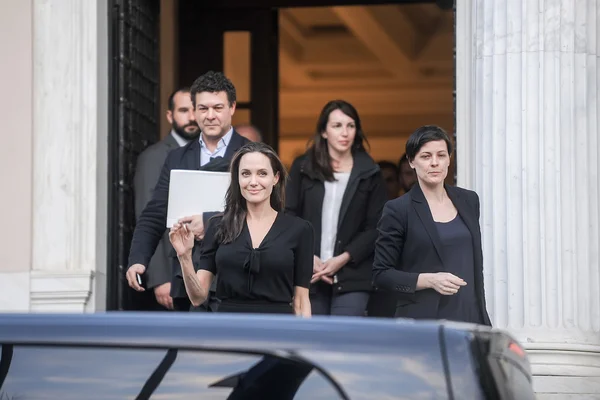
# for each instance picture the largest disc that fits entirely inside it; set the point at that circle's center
(321, 160)
(235, 204)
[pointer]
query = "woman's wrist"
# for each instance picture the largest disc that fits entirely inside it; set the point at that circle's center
(423, 281)
(187, 256)
(345, 257)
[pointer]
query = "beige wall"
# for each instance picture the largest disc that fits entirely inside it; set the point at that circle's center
(16, 105)
(53, 158)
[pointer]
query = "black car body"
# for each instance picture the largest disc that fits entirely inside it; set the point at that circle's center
(189, 356)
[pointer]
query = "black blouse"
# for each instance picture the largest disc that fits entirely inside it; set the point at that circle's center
(283, 260)
(458, 260)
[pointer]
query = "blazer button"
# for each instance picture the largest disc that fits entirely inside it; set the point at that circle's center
(339, 288)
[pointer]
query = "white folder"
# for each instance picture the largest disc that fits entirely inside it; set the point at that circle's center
(195, 192)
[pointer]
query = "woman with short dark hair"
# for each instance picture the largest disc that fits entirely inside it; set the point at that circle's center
(263, 256)
(338, 188)
(429, 244)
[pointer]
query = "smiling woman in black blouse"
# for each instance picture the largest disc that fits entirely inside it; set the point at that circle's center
(264, 258)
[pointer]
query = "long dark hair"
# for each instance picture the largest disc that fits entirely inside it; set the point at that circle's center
(321, 160)
(235, 204)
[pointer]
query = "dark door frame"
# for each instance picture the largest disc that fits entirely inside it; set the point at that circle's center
(445, 4)
(134, 115)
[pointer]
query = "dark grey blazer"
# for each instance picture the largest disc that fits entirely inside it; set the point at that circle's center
(147, 171)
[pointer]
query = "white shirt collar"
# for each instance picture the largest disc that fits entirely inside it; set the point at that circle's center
(180, 141)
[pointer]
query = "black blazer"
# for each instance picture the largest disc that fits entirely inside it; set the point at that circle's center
(151, 224)
(408, 244)
(361, 208)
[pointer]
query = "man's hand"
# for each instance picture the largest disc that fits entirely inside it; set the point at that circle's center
(163, 295)
(132, 278)
(195, 224)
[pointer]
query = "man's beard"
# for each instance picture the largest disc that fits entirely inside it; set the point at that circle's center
(180, 130)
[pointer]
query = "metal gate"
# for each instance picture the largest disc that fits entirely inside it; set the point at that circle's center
(134, 54)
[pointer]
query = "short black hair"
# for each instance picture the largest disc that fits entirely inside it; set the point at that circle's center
(384, 164)
(213, 82)
(423, 135)
(171, 101)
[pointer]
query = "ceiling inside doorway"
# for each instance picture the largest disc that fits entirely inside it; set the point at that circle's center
(393, 62)
(390, 44)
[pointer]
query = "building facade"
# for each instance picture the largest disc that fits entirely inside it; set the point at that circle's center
(527, 115)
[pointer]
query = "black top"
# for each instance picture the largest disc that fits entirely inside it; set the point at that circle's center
(458, 260)
(268, 273)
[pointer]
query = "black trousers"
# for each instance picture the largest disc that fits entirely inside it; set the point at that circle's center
(324, 302)
(382, 304)
(255, 307)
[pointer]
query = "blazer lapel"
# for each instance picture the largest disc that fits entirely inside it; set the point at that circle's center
(170, 142)
(424, 213)
(191, 156)
(363, 166)
(465, 211)
(234, 145)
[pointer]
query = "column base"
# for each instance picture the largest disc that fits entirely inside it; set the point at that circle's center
(67, 291)
(565, 371)
(566, 387)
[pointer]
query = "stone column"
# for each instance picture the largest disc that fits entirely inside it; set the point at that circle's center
(527, 142)
(70, 103)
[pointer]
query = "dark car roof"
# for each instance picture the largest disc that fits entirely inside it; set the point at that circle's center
(193, 330)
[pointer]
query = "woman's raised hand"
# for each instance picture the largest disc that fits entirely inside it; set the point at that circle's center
(182, 239)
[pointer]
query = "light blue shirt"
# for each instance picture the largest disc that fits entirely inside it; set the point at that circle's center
(206, 155)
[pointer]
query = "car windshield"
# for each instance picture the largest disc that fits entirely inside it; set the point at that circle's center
(70, 372)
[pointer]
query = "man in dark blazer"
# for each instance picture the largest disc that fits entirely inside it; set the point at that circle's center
(180, 114)
(214, 100)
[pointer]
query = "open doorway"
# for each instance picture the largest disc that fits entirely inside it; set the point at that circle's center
(392, 59)
(394, 62)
